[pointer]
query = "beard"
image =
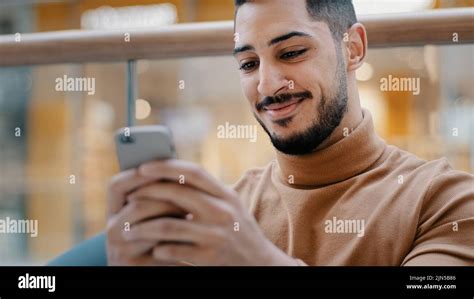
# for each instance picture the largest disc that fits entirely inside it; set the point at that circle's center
(330, 110)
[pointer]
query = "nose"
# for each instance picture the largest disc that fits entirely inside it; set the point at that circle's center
(271, 80)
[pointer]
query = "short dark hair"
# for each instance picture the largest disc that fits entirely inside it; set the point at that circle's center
(339, 15)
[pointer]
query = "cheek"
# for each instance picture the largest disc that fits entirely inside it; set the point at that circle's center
(305, 75)
(327, 74)
(249, 88)
(314, 77)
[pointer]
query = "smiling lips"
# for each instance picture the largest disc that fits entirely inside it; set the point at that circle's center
(281, 110)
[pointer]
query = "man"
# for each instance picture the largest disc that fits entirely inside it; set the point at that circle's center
(336, 193)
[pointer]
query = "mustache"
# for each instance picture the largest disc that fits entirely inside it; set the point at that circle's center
(282, 98)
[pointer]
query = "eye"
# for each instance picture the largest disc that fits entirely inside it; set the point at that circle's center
(292, 54)
(248, 66)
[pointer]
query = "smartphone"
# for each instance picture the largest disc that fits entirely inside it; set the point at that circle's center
(140, 144)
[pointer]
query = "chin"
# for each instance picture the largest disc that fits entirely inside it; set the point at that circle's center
(285, 132)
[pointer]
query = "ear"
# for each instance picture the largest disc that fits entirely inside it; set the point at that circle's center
(355, 40)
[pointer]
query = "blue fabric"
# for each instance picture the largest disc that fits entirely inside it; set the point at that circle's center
(91, 252)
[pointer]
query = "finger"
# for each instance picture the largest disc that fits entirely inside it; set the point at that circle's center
(121, 184)
(138, 210)
(169, 230)
(203, 207)
(144, 208)
(149, 260)
(178, 253)
(194, 175)
(133, 250)
(120, 250)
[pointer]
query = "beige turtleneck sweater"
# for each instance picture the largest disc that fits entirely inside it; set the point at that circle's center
(363, 202)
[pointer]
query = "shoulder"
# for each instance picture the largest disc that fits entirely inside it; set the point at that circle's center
(445, 216)
(422, 172)
(447, 194)
(438, 201)
(424, 187)
(449, 191)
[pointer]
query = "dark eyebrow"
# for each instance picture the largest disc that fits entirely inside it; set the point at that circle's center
(283, 37)
(243, 49)
(274, 41)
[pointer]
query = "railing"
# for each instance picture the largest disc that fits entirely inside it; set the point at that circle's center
(439, 27)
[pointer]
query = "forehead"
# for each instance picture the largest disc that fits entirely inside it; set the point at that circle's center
(281, 8)
(260, 20)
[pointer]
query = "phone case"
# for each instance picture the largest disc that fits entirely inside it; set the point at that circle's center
(137, 145)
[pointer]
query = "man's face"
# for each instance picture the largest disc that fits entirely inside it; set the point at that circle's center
(291, 73)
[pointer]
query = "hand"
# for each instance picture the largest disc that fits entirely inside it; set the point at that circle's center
(221, 231)
(123, 214)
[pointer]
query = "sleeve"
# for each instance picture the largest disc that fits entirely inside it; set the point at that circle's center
(445, 234)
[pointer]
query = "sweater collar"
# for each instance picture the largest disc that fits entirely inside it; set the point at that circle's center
(346, 158)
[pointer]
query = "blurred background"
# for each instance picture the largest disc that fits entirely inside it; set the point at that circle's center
(57, 151)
